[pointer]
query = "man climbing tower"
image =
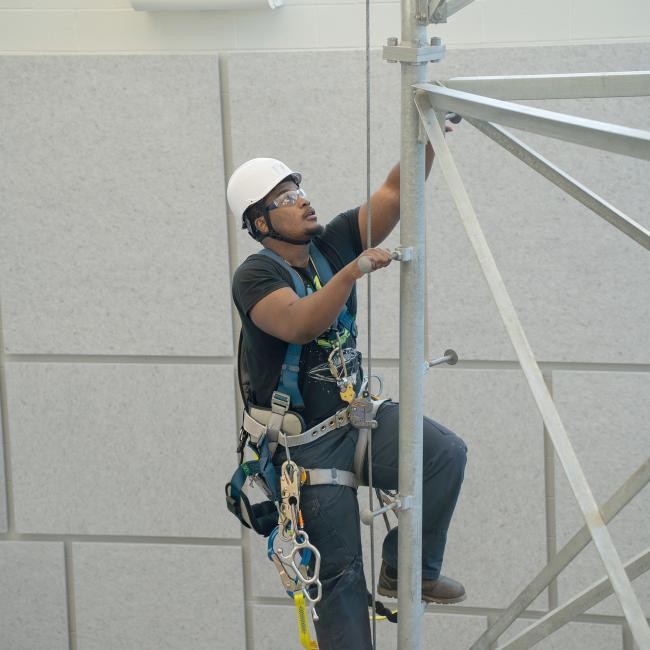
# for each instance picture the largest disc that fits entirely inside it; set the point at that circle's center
(298, 346)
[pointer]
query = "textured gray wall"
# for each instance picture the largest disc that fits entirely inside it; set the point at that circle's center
(118, 387)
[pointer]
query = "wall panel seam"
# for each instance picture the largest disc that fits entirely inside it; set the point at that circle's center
(463, 610)
(621, 40)
(117, 359)
(386, 362)
(70, 595)
(227, 542)
(6, 451)
(231, 229)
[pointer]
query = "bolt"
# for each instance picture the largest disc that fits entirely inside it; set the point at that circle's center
(392, 41)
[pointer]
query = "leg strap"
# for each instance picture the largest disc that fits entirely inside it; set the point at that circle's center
(330, 477)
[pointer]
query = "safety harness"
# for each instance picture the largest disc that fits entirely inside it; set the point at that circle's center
(263, 429)
(279, 517)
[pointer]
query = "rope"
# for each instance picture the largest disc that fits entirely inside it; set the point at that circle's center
(382, 611)
(369, 286)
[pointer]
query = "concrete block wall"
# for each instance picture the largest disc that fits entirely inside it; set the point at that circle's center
(117, 338)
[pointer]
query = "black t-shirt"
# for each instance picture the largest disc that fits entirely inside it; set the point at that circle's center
(264, 354)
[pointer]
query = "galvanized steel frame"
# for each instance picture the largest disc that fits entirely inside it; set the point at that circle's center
(632, 486)
(577, 605)
(432, 102)
(411, 343)
(556, 86)
(565, 182)
(579, 130)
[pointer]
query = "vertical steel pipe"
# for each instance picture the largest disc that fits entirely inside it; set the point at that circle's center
(411, 343)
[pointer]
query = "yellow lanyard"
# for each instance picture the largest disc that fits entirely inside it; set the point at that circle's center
(303, 624)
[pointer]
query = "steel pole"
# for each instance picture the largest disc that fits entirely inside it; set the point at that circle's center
(411, 343)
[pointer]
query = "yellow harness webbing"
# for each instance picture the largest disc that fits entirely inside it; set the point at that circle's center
(303, 622)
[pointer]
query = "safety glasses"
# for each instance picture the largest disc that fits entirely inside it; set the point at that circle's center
(287, 198)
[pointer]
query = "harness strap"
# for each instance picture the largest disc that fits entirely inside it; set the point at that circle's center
(362, 444)
(279, 406)
(330, 477)
(325, 273)
(263, 517)
(288, 383)
(255, 429)
(360, 454)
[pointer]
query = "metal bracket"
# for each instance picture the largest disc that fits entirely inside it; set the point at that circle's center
(403, 253)
(399, 503)
(417, 54)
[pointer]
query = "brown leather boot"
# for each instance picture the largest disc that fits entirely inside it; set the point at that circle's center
(443, 591)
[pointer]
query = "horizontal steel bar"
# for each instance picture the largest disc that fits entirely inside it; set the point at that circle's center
(590, 133)
(565, 182)
(556, 86)
(577, 480)
(560, 616)
(632, 486)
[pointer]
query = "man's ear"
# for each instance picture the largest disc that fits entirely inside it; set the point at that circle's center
(261, 225)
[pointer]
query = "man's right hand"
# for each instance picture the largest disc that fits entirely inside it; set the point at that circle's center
(370, 260)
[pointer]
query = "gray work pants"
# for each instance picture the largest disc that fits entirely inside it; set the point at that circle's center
(331, 516)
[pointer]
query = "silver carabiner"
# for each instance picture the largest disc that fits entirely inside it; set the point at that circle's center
(316, 599)
(298, 547)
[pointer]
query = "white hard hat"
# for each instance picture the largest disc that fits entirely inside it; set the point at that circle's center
(253, 180)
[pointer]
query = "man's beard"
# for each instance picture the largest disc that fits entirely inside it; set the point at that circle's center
(317, 230)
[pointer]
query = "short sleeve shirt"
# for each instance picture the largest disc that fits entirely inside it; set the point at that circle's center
(257, 277)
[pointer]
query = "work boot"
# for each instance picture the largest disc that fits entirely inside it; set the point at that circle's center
(443, 590)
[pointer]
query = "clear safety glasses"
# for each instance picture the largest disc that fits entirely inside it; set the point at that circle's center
(287, 198)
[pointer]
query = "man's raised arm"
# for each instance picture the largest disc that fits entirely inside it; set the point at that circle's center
(385, 204)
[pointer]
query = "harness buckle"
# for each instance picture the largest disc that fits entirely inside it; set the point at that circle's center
(280, 402)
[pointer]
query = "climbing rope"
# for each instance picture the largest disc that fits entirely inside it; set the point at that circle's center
(369, 351)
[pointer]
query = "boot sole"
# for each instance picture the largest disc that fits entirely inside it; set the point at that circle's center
(392, 593)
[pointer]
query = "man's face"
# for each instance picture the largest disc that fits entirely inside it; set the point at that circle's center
(290, 213)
